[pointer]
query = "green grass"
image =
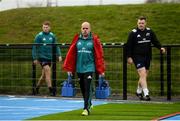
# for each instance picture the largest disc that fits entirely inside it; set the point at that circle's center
(111, 22)
(114, 111)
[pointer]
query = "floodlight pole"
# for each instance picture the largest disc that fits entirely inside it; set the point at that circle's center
(17, 3)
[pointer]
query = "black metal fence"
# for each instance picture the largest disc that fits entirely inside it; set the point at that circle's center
(19, 76)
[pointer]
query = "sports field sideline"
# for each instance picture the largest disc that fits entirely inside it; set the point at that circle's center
(23, 107)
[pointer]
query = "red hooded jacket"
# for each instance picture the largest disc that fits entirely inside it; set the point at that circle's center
(70, 60)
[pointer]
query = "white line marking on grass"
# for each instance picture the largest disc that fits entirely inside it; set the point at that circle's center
(10, 108)
(73, 101)
(45, 100)
(16, 99)
(11, 96)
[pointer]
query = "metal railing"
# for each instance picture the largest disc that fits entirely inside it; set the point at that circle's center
(118, 61)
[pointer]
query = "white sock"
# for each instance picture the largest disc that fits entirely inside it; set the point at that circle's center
(139, 90)
(146, 91)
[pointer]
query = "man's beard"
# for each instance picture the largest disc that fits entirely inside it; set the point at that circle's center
(85, 34)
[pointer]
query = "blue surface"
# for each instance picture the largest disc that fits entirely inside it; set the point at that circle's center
(175, 117)
(20, 108)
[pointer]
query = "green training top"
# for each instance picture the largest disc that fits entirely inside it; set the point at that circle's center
(44, 51)
(85, 55)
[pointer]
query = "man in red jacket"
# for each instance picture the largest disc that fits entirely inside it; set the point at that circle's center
(85, 56)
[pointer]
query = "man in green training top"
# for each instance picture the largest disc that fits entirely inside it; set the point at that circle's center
(85, 56)
(42, 54)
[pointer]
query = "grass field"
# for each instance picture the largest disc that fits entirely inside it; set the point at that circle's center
(119, 111)
(111, 22)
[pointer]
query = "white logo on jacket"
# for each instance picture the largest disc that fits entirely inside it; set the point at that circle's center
(147, 34)
(138, 35)
(79, 43)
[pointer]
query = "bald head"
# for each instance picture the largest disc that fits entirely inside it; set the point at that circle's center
(85, 29)
(85, 24)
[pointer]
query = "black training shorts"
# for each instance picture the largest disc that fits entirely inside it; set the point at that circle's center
(44, 62)
(142, 61)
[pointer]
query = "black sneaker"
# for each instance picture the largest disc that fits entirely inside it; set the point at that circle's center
(146, 98)
(51, 91)
(140, 96)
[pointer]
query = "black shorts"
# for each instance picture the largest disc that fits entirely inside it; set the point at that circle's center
(44, 62)
(142, 61)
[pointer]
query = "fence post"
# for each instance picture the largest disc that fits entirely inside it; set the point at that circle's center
(169, 73)
(162, 73)
(33, 78)
(124, 73)
(54, 69)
